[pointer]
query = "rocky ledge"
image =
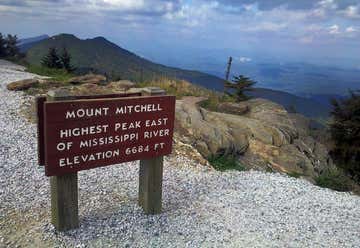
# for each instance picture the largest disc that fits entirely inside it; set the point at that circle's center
(266, 136)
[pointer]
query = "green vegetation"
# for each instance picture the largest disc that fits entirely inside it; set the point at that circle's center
(55, 61)
(213, 101)
(225, 162)
(334, 179)
(345, 133)
(294, 174)
(52, 59)
(240, 85)
(60, 75)
(103, 57)
(8, 46)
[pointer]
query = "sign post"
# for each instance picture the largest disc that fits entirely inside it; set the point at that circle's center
(150, 176)
(64, 188)
(84, 132)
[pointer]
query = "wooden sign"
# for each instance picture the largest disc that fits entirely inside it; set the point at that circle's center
(89, 133)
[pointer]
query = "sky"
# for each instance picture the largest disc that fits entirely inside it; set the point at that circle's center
(311, 31)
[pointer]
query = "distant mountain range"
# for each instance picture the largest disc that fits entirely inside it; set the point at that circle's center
(302, 79)
(102, 56)
(26, 44)
(311, 107)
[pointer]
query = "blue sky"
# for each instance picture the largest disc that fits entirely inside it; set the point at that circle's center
(318, 31)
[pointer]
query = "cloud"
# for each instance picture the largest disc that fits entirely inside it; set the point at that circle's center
(334, 29)
(249, 24)
(271, 4)
(193, 15)
(352, 11)
(350, 29)
(328, 4)
(244, 59)
(292, 4)
(267, 26)
(131, 7)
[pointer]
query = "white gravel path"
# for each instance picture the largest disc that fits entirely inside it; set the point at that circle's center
(201, 207)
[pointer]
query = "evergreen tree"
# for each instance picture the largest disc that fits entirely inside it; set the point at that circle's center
(2, 46)
(52, 59)
(66, 60)
(12, 49)
(345, 133)
(240, 85)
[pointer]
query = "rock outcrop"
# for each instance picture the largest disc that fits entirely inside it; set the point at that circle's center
(87, 79)
(265, 137)
(22, 84)
(122, 84)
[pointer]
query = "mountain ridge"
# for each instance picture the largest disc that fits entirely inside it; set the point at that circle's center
(103, 56)
(26, 43)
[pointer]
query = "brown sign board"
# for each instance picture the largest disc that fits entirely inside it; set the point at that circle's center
(90, 133)
(40, 101)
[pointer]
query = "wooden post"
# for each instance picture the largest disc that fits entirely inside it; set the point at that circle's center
(64, 189)
(151, 174)
(40, 100)
(64, 201)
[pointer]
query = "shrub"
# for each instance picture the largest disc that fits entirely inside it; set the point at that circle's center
(60, 75)
(239, 86)
(294, 174)
(213, 101)
(345, 133)
(334, 179)
(225, 162)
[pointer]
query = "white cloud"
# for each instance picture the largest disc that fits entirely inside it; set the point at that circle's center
(268, 26)
(327, 4)
(350, 29)
(334, 29)
(352, 11)
(125, 4)
(193, 15)
(244, 59)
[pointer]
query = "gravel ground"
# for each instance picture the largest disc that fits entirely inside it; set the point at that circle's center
(201, 207)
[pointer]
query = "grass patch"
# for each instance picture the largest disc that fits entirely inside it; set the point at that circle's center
(213, 101)
(59, 75)
(334, 179)
(225, 162)
(294, 174)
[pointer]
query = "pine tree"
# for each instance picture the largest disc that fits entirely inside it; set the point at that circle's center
(12, 49)
(66, 60)
(52, 59)
(345, 133)
(2, 46)
(240, 85)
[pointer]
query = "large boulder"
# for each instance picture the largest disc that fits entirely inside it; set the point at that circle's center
(264, 137)
(207, 132)
(233, 108)
(121, 85)
(22, 84)
(87, 79)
